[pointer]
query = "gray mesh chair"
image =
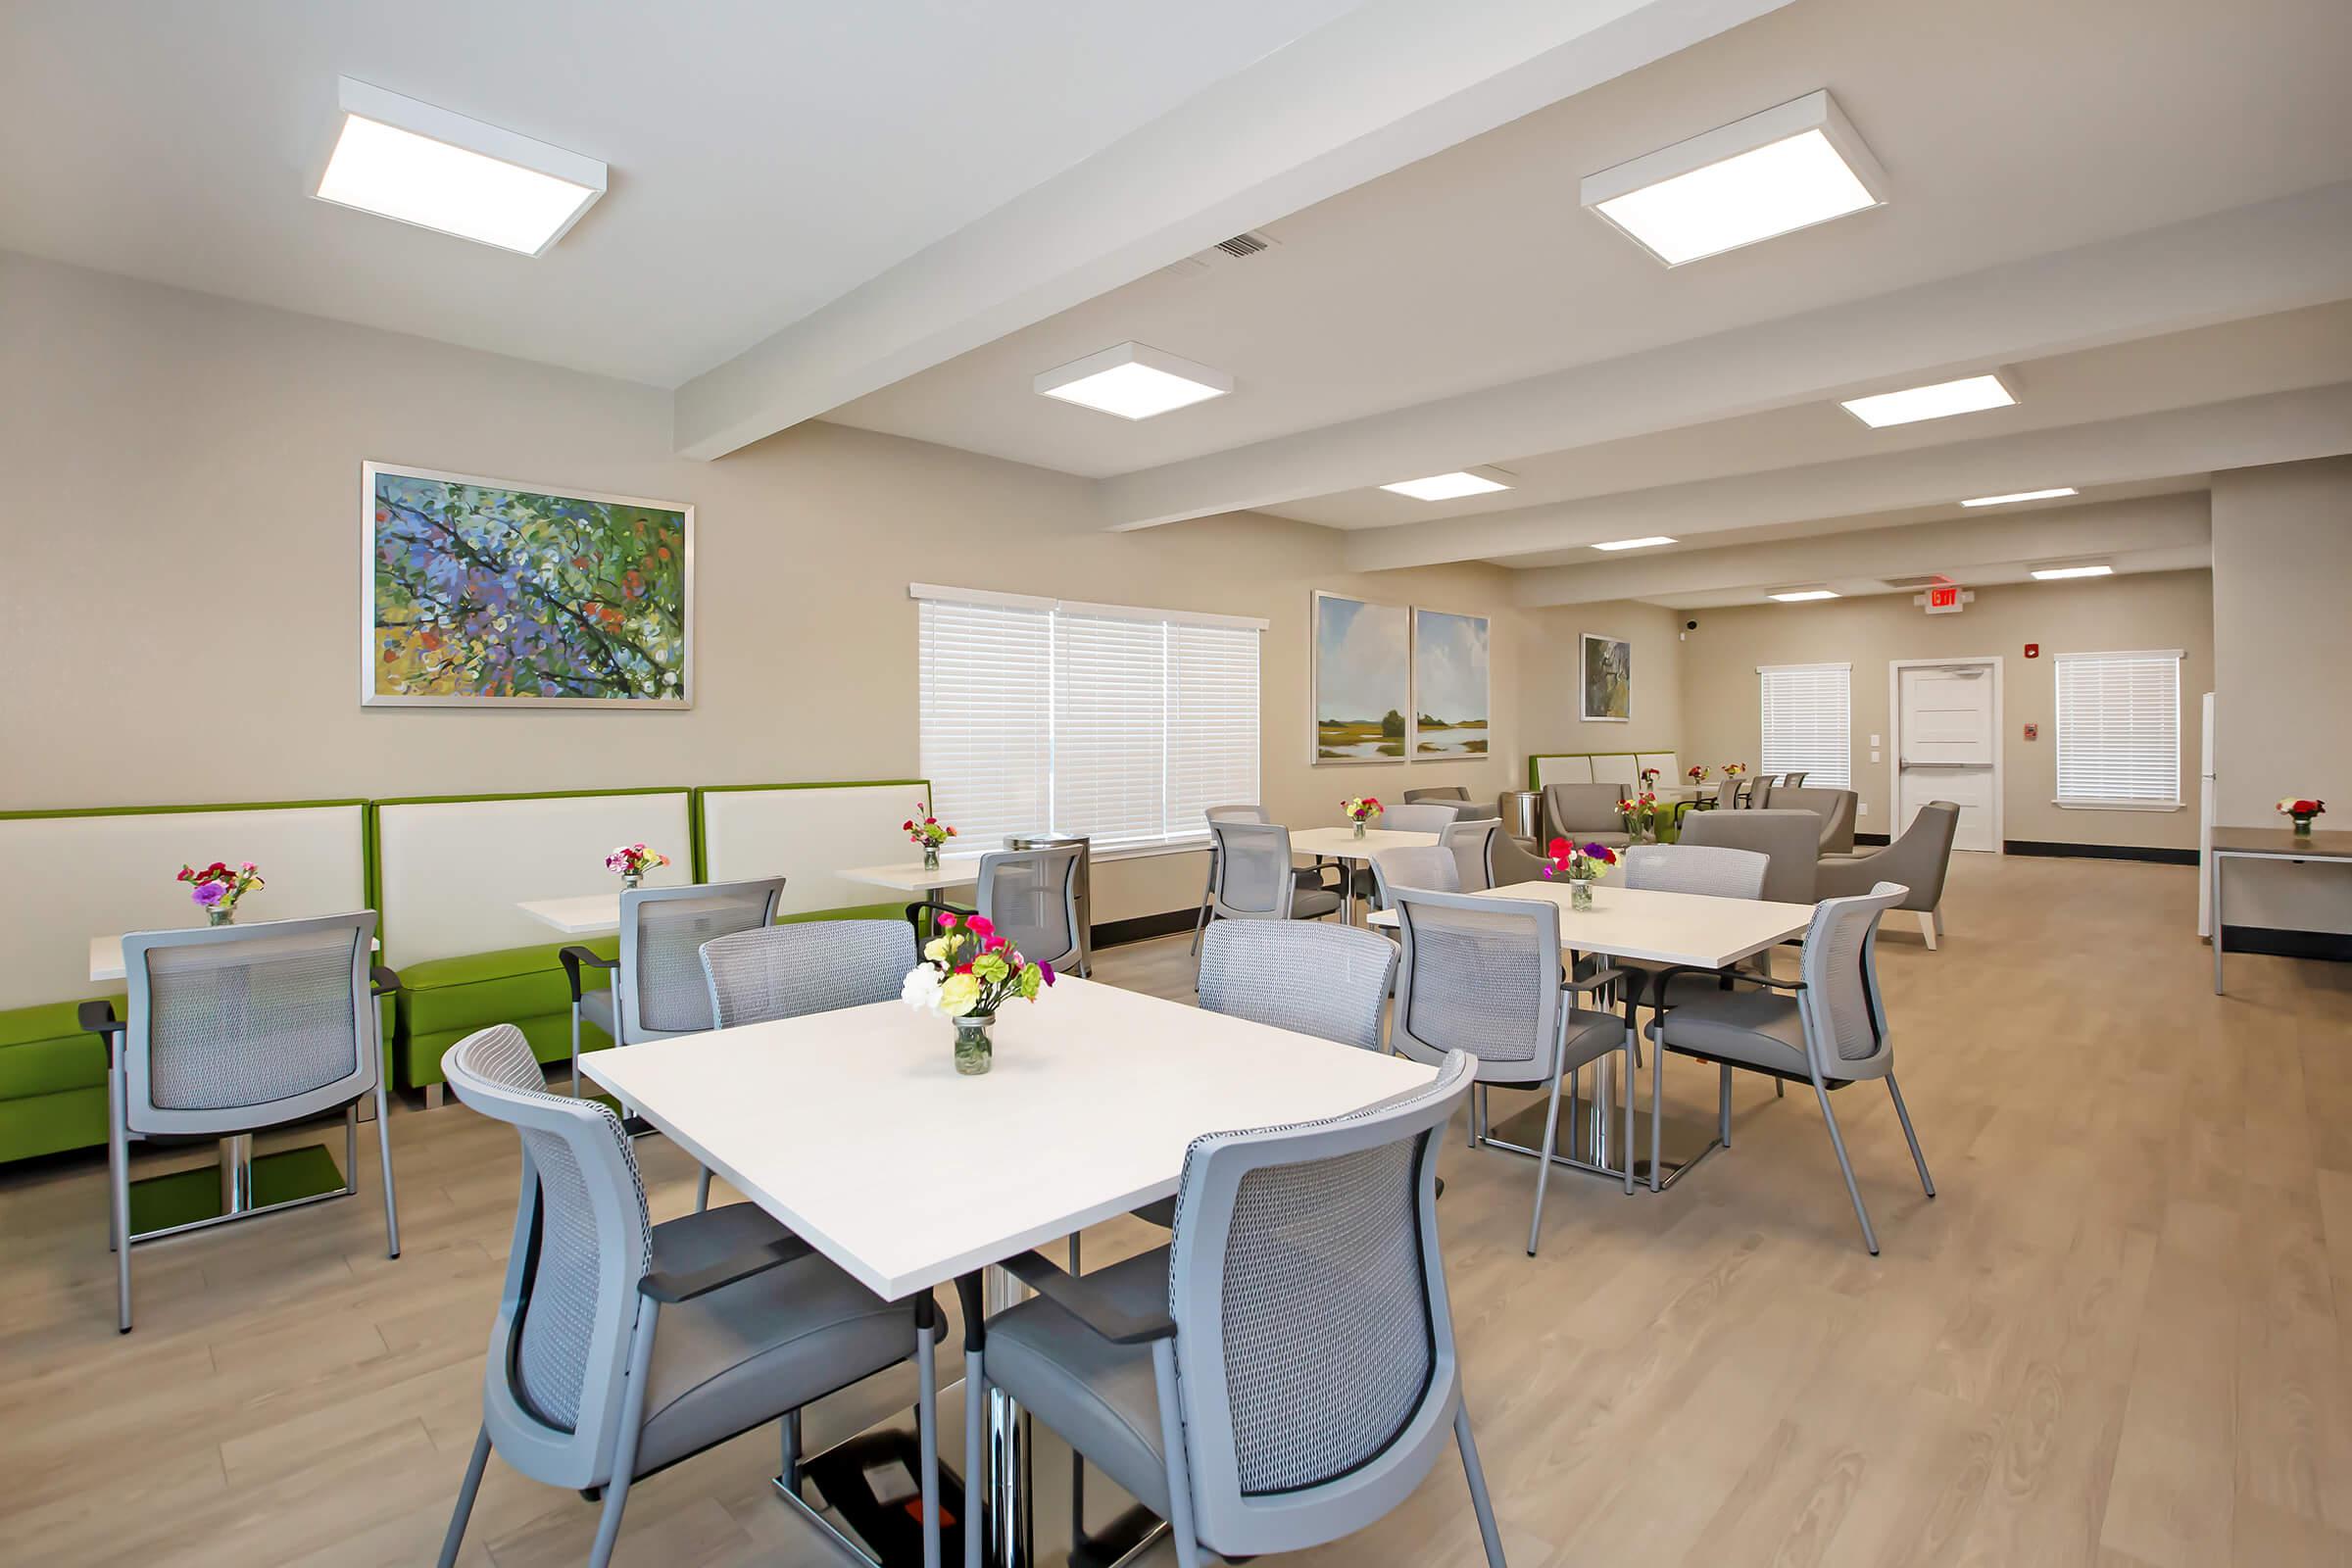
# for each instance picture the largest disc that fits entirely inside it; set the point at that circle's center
(1283, 1373)
(1759, 793)
(1424, 816)
(1792, 839)
(783, 971)
(1032, 897)
(1482, 974)
(1466, 840)
(621, 1346)
(1448, 791)
(1827, 1028)
(1834, 808)
(1255, 880)
(658, 988)
(1585, 813)
(1793, 780)
(1209, 890)
(1432, 867)
(1917, 860)
(233, 1030)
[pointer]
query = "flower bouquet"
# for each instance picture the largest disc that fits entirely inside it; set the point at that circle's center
(1650, 777)
(1641, 814)
(968, 971)
(217, 887)
(1582, 864)
(927, 833)
(631, 861)
(1697, 772)
(1360, 810)
(1734, 769)
(2301, 812)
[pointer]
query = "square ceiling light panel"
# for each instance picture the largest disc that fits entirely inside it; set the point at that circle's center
(426, 166)
(1971, 394)
(1134, 381)
(1454, 486)
(1772, 174)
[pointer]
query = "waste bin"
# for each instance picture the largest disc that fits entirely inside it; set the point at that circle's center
(1523, 815)
(1084, 889)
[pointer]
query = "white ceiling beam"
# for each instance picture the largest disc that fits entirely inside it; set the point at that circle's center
(2252, 260)
(2274, 427)
(1384, 86)
(1954, 547)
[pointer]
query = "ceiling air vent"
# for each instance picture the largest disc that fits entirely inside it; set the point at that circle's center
(1244, 245)
(1914, 582)
(1224, 252)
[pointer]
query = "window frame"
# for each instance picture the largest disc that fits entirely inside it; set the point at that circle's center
(2058, 732)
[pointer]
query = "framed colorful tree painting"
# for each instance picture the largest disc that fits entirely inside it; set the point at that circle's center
(479, 593)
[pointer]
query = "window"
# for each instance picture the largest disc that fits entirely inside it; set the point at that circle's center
(2119, 730)
(1808, 727)
(1121, 724)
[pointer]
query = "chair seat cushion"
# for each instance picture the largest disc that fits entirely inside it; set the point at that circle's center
(744, 1354)
(1098, 1396)
(1306, 905)
(595, 1007)
(1747, 1027)
(476, 990)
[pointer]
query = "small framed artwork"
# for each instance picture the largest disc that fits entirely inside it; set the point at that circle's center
(1364, 681)
(483, 592)
(1609, 680)
(1450, 704)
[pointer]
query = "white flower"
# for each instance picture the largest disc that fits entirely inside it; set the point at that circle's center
(921, 991)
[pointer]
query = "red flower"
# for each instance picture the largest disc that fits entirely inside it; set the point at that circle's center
(1559, 849)
(983, 927)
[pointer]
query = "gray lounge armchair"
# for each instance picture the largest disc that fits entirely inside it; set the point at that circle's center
(1449, 792)
(1917, 860)
(1585, 813)
(1793, 838)
(1834, 808)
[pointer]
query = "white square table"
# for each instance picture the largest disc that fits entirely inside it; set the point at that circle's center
(1341, 843)
(591, 914)
(2323, 848)
(1670, 928)
(912, 876)
(1095, 1094)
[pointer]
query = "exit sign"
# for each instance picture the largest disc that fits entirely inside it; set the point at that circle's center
(1944, 600)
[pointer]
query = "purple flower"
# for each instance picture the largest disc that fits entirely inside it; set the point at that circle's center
(1045, 971)
(207, 893)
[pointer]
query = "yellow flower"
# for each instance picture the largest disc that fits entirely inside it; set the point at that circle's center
(957, 995)
(937, 947)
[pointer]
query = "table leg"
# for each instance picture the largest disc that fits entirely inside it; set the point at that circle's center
(1011, 1529)
(2215, 872)
(237, 1174)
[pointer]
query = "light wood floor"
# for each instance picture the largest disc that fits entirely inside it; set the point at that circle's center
(2119, 1338)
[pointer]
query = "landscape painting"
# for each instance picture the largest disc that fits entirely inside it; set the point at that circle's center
(1449, 684)
(1608, 680)
(1364, 681)
(481, 594)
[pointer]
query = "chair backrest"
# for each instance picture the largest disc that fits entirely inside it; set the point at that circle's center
(1448, 791)
(1254, 880)
(1844, 1016)
(1429, 866)
(1428, 816)
(1237, 813)
(1480, 974)
(1717, 872)
(233, 1028)
(1834, 808)
(1302, 975)
(1794, 780)
(1727, 793)
(1032, 895)
(1571, 811)
(782, 972)
(1314, 1354)
(1759, 795)
(1508, 863)
(1920, 858)
(1466, 842)
(560, 1343)
(1791, 838)
(658, 988)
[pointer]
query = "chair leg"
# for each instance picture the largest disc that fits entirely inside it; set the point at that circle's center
(1929, 928)
(1476, 1474)
(624, 1453)
(1903, 1113)
(1657, 1100)
(926, 1424)
(383, 1152)
(975, 1462)
(1870, 1238)
(1171, 1439)
(434, 1094)
(1551, 1136)
(467, 1491)
(1722, 1108)
(575, 1050)
(1632, 1070)
(1208, 889)
(702, 1193)
(118, 1181)
(789, 1471)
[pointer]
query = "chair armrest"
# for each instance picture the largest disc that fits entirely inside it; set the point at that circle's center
(1845, 876)
(1085, 1301)
(670, 1287)
(1593, 981)
(98, 1018)
(381, 981)
(574, 957)
(934, 907)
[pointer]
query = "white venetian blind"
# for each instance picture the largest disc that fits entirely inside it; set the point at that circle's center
(1808, 724)
(2119, 730)
(1121, 724)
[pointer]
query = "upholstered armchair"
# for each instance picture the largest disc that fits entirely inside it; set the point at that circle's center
(1917, 860)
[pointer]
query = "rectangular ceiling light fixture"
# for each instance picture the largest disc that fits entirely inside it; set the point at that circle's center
(1768, 175)
(1455, 485)
(2023, 495)
(419, 165)
(2055, 573)
(1134, 381)
(1968, 395)
(1799, 596)
(1637, 544)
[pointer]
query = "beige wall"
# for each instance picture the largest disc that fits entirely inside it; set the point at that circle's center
(184, 582)
(2155, 609)
(1551, 690)
(2281, 559)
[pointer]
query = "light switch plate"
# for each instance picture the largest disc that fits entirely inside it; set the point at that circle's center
(1861, 808)
(1874, 739)
(1874, 757)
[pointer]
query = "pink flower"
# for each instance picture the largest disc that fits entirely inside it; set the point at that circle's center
(947, 920)
(994, 942)
(983, 927)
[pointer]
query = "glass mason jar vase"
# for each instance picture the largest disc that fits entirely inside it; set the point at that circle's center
(220, 914)
(628, 884)
(1580, 893)
(975, 1047)
(930, 857)
(1359, 827)
(2302, 827)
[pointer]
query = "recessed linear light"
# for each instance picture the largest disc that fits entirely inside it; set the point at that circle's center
(2054, 573)
(1455, 485)
(1637, 544)
(1134, 381)
(1968, 395)
(1799, 596)
(2023, 495)
(1772, 174)
(422, 166)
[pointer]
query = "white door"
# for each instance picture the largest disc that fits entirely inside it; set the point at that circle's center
(1948, 748)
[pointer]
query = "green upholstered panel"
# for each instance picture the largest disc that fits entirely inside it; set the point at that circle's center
(478, 988)
(864, 912)
(29, 1067)
(50, 1021)
(50, 1124)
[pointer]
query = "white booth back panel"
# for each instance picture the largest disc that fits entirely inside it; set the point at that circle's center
(808, 836)
(1625, 771)
(1668, 766)
(101, 876)
(454, 870)
(1563, 770)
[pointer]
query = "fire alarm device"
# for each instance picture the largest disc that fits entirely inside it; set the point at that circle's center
(2033, 649)
(2033, 732)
